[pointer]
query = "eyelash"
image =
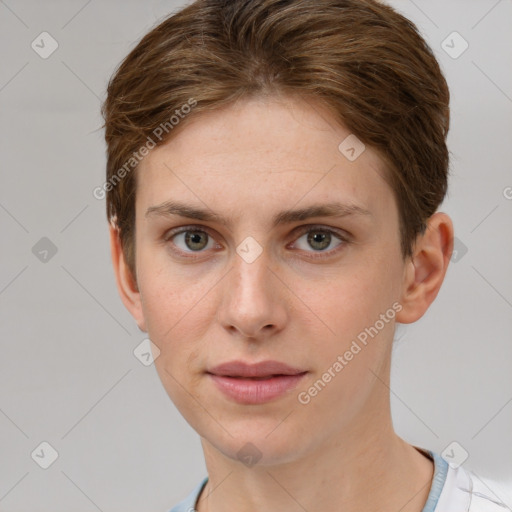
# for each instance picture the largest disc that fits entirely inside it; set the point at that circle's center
(344, 239)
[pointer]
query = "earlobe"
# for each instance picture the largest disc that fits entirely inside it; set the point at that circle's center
(425, 270)
(126, 284)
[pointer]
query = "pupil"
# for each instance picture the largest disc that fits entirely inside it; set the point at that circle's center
(319, 240)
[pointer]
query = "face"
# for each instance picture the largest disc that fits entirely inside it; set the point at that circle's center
(257, 239)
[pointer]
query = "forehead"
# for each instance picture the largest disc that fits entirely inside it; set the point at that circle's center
(262, 152)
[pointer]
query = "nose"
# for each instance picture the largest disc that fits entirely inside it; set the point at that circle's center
(254, 302)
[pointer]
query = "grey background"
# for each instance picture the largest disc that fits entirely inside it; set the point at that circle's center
(68, 374)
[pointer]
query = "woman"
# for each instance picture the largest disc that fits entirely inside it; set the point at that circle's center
(273, 178)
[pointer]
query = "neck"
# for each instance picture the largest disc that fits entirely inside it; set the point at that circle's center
(368, 468)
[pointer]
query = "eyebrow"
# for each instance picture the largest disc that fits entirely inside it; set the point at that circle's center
(338, 210)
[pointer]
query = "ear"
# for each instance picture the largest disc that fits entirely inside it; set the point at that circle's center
(424, 272)
(126, 283)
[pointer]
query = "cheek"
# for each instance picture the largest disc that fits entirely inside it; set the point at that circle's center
(351, 308)
(171, 293)
(355, 349)
(177, 315)
(172, 306)
(348, 302)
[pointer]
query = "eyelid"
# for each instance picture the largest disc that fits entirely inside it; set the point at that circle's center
(192, 227)
(305, 228)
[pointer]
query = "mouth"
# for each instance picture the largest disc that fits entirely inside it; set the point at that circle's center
(261, 370)
(257, 383)
(256, 390)
(263, 377)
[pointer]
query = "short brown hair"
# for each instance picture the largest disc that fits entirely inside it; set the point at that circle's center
(366, 62)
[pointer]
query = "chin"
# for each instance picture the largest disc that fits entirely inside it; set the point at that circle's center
(252, 447)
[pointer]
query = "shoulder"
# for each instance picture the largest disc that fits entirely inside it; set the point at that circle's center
(188, 504)
(464, 491)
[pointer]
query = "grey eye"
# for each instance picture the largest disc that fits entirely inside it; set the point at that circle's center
(192, 240)
(318, 240)
(196, 240)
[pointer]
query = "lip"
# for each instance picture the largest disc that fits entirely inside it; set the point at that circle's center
(248, 391)
(255, 383)
(261, 369)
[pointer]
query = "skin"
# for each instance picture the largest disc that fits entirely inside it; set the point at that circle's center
(247, 162)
